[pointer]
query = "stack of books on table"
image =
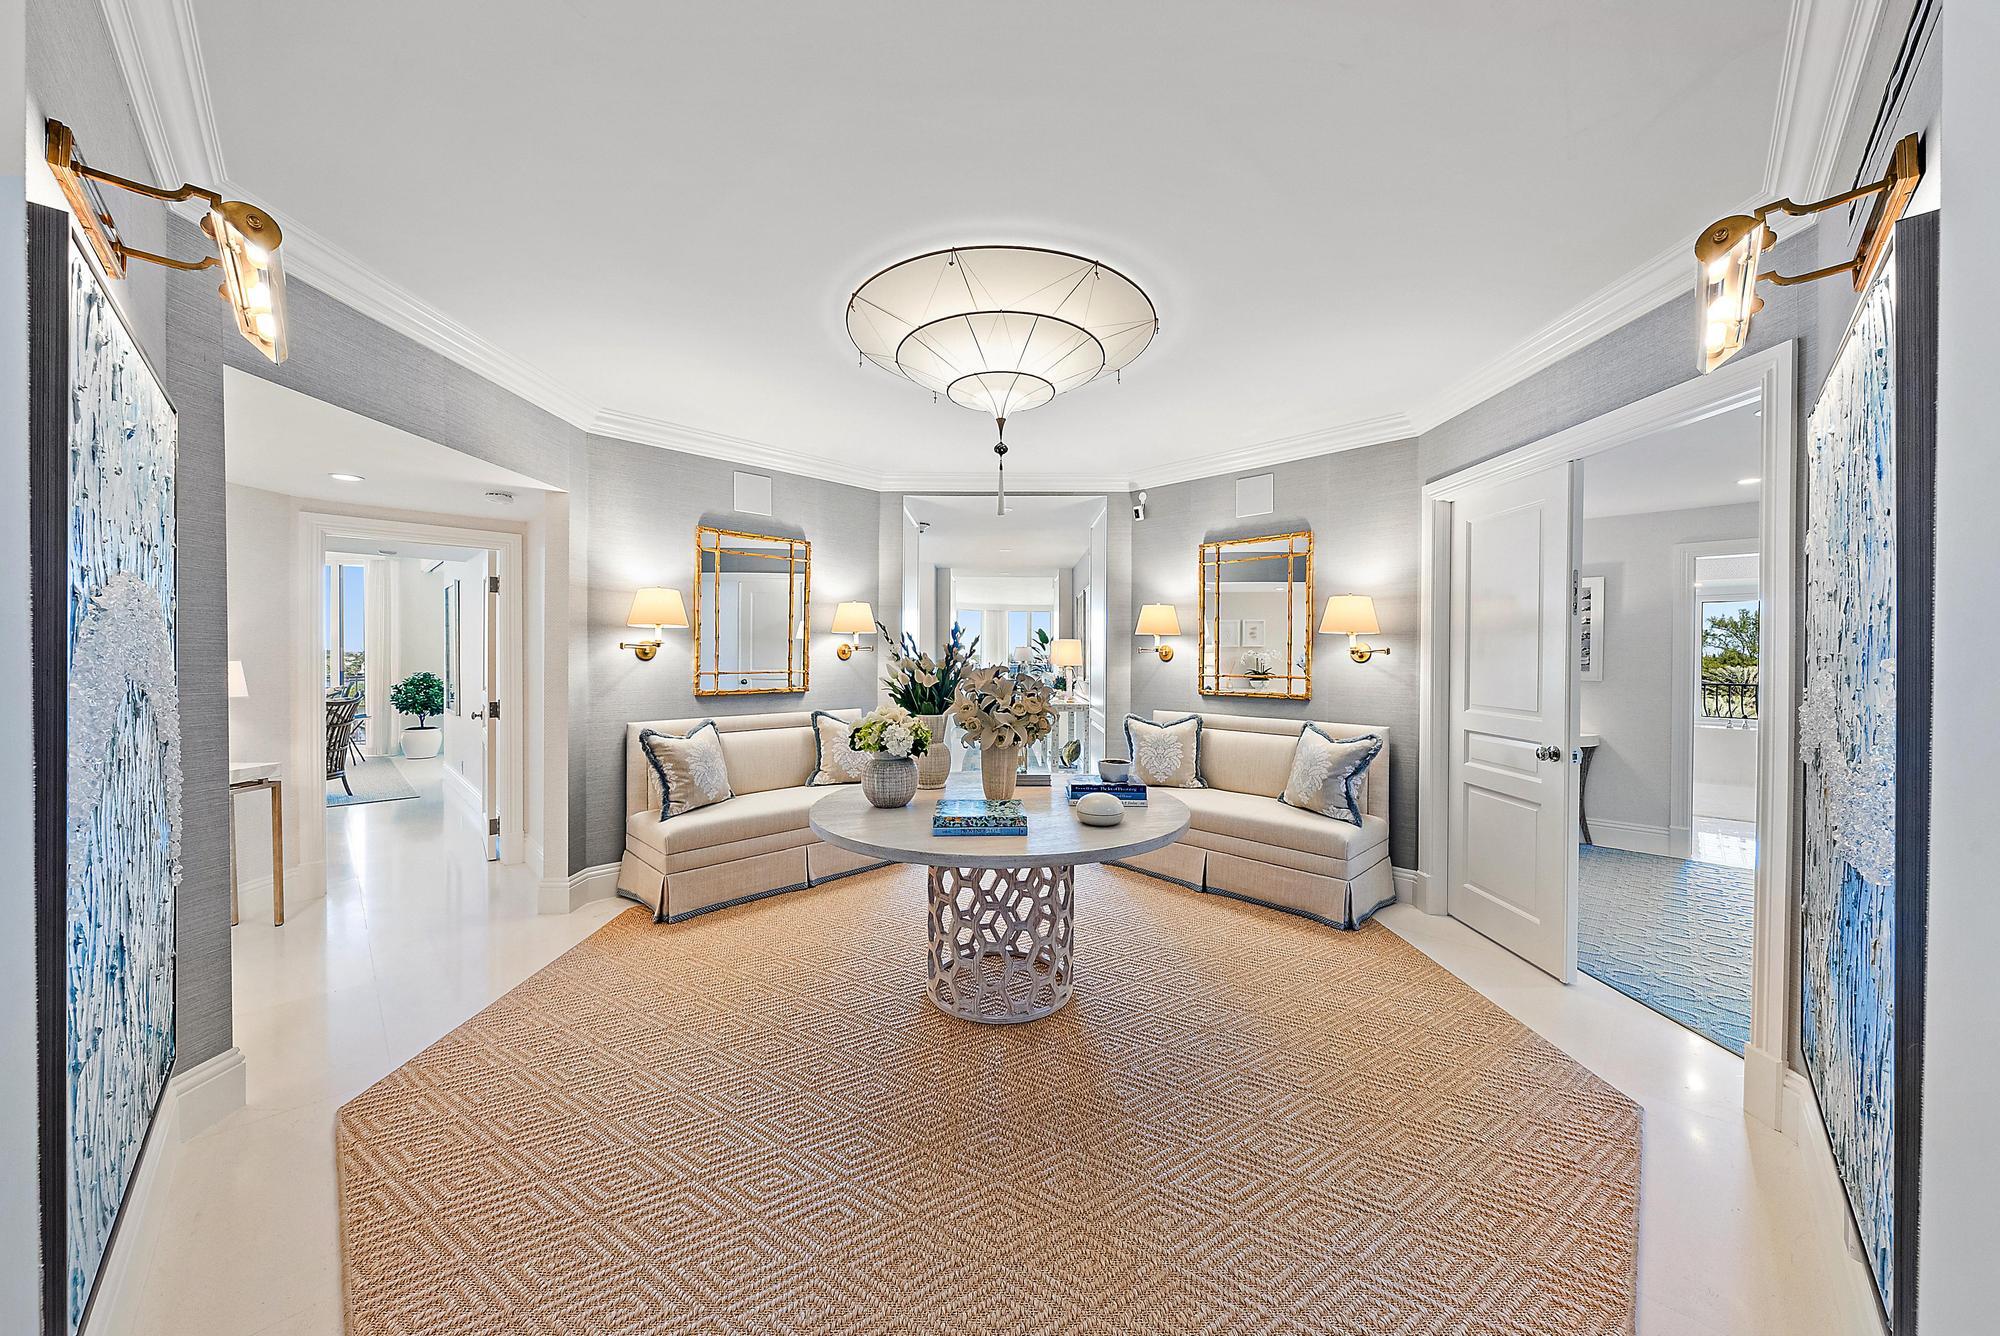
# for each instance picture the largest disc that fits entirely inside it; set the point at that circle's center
(979, 816)
(1130, 793)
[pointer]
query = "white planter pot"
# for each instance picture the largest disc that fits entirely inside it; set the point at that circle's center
(419, 743)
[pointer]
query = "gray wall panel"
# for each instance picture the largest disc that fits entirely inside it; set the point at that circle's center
(1362, 506)
(644, 504)
(1650, 354)
(196, 325)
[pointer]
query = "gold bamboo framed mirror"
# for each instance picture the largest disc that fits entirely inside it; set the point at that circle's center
(1255, 633)
(752, 613)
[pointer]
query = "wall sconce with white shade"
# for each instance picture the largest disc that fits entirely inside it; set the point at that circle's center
(1158, 620)
(853, 620)
(239, 689)
(1066, 654)
(246, 240)
(658, 608)
(1353, 615)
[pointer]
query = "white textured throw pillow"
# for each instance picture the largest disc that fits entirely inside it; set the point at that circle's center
(688, 772)
(837, 763)
(1166, 755)
(1327, 771)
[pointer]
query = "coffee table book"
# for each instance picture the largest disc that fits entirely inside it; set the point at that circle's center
(979, 816)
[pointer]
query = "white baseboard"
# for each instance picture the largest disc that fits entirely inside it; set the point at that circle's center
(1851, 1286)
(1415, 887)
(303, 884)
(1764, 1087)
(1629, 835)
(195, 1101)
(460, 792)
(563, 895)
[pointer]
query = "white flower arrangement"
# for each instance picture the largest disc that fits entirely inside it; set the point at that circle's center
(891, 731)
(1259, 662)
(999, 708)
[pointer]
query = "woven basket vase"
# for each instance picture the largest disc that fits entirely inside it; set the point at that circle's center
(890, 781)
(998, 769)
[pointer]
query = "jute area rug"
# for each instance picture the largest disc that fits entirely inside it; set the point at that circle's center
(754, 1122)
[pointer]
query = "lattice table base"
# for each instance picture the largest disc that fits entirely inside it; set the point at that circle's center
(1000, 941)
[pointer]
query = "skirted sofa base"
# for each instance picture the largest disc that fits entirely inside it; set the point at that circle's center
(758, 843)
(1243, 841)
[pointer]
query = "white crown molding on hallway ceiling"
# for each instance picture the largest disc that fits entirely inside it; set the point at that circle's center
(1826, 51)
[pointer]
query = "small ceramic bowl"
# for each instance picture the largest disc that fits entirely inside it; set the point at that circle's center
(1099, 809)
(1114, 772)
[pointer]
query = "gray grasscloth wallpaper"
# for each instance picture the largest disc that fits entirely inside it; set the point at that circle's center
(644, 504)
(1362, 507)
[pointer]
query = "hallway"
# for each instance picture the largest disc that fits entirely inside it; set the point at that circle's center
(406, 945)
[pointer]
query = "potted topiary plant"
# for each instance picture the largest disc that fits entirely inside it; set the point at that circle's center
(421, 694)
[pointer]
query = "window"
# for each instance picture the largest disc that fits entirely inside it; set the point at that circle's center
(1729, 648)
(344, 604)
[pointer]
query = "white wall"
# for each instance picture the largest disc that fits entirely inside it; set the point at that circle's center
(416, 636)
(1961, 1165)
(1632, 709)
(261, 543)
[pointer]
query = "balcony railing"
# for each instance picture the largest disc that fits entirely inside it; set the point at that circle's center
(1728, 698)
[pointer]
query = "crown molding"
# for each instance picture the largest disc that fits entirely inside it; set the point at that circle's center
(1284, 450)
(1827, 46)
(1826, 54)
(730, 449)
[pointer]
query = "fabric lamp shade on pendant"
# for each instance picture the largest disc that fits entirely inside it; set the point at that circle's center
(1000, 329)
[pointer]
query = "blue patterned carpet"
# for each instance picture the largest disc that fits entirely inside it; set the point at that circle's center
(1671, 934)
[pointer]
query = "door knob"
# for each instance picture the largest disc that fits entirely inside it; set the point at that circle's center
(1548, 753)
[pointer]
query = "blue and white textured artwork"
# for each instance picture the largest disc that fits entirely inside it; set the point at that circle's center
(124, 781)
(1847, 741)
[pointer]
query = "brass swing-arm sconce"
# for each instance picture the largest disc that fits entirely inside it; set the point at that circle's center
(1728, 252)
(246, 240)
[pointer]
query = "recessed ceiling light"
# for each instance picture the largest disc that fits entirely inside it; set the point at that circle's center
(347, 477)
(1748, 482)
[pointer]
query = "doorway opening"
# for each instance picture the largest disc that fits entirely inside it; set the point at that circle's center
(1573, 725)
(1669, 634)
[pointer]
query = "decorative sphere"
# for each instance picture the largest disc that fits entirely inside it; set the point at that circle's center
(1099, 809)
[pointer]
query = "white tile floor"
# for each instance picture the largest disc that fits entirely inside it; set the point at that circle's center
(410, 941)
(1719, 840)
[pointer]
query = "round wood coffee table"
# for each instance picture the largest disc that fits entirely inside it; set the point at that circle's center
(1000, 920)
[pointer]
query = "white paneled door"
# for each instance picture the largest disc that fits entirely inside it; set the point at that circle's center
(1512, 846)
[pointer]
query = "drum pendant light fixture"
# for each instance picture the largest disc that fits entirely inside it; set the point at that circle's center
(1000, 329)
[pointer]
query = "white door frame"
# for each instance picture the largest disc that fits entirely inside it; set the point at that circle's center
(1768, 379)
(315, 532)
(1687, 685)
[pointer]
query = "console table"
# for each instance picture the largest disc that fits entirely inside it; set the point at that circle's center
(1001, 906)
(245, 775)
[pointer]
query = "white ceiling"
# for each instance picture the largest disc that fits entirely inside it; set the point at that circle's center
(1353, 217)
(283, 441)
(1685, 468)
(1038, 533)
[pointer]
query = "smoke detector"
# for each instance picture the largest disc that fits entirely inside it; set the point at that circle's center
(501, 498)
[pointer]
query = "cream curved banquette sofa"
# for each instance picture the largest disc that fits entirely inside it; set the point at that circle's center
(1243, 841)
(757, 843)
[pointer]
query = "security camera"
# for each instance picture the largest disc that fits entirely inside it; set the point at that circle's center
(1139, 508)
